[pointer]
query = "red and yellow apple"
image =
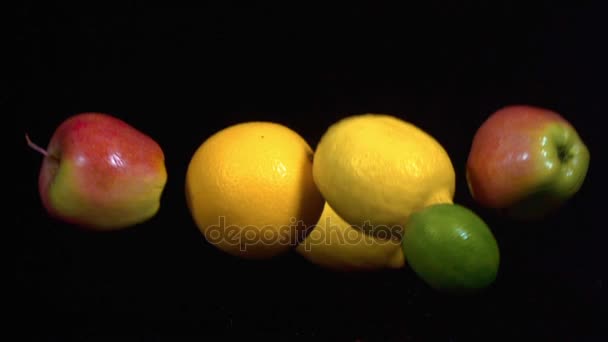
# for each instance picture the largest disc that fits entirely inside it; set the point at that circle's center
(101, 173)
(526, 161)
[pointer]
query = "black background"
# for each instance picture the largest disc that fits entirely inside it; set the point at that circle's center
(180, 73)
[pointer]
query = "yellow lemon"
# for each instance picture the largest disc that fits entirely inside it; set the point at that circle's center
(335, 245)
(375, 170)
(250, 190)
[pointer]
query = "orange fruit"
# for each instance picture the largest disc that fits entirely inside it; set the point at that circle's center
(250, 190)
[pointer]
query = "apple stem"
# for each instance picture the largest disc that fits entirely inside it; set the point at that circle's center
(35, 147)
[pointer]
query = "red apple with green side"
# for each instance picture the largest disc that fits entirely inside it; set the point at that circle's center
(526, 162)
(101, 173)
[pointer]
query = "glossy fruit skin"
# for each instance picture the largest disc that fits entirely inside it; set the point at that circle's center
(101, 173)
(250, 191)
(375, 169)
(451, 248)
(335, 245)
(526, 161)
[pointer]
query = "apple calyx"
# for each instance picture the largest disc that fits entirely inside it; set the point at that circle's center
(572, 159)
(37, 148)
(567, 157)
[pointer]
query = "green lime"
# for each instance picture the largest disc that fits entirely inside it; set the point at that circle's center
(451, 248)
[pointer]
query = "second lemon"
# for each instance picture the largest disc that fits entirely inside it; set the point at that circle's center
(375, 170)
